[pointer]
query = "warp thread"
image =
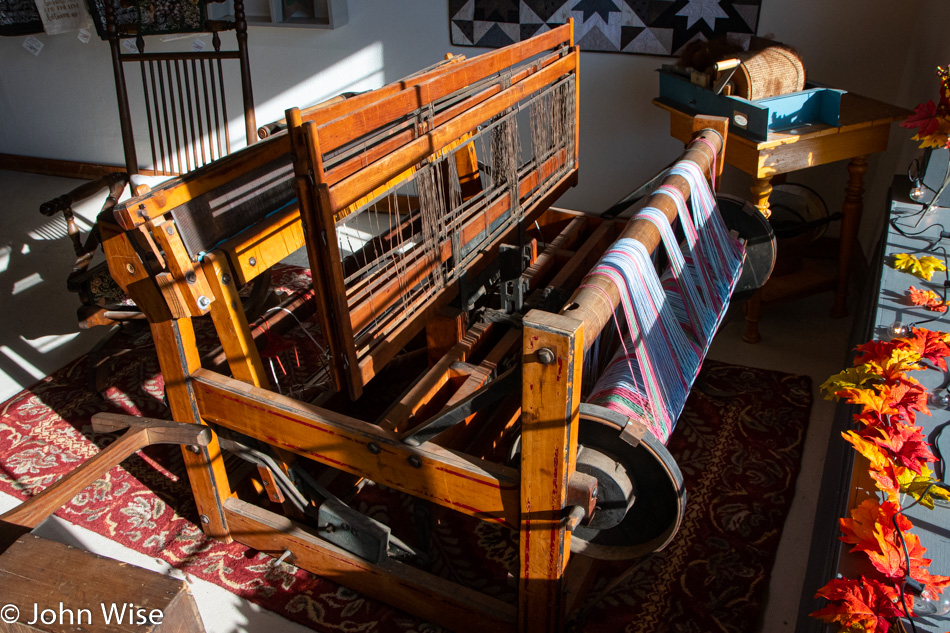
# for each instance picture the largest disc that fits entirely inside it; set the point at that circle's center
(671, 320)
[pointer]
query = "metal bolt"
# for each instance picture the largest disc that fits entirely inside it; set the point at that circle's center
(191, 277)
(329, 528)
(252, 261)
(194, 449)
(131, 268)
(575, 517)
(415, 462)
(203, 302)
(546, 356)
(170, 230)
(204, 519)
(266, 483)
(225, 279)
(373, 448)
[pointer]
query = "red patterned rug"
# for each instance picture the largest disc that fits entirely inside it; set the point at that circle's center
(738, 443)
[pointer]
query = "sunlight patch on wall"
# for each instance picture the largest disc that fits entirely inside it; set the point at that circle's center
(53, 229)
(46, 344)
(5, 258)
(26, 283)
(22, 363)
(363, 70)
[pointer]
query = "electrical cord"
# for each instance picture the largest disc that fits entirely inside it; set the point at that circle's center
(937, 194)
(900, 536)
(931, 241)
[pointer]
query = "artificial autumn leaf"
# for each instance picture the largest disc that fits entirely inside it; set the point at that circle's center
(924, 119)
(882, 470)
(932, 346)
(874, 351)
(926, 298)
(906, 398)
(871, 419)
(887, 359)
(931, 123)
(870, 399)
(871, 529)
(923, 267)
(919, 487)
(865, 524)
(904, 443)
(851, 378)
(865, 605)
(918, 564)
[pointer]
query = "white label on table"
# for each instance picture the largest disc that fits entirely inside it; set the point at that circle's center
(33, 45)
(198, 45)
(129, 46)
(84, 36)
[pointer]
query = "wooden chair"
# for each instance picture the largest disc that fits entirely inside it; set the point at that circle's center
(185, 97)
(184, 121)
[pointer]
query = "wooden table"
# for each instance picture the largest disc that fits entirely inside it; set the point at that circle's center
(864, 127)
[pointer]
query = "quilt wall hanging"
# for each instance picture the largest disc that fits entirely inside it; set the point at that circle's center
(647, 27)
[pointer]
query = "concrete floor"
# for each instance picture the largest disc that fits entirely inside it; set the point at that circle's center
(39, 335)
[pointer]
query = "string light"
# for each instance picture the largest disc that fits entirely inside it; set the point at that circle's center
(927, 603)
(939, 399)
(897, 330)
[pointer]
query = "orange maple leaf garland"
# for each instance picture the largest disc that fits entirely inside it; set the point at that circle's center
(865, 605)
(871, 529)
(898, 458)
(927, 298)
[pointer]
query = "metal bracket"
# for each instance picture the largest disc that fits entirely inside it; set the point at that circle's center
(354, 532)
(338, 523)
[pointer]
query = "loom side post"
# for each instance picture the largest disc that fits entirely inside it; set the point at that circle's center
(552, 364)
(178, 357)
(316, 213)
(590, 301)
(720, 125)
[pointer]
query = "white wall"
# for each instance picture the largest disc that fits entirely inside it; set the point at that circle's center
(61, 104)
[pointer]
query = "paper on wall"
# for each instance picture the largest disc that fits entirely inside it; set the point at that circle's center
(63, 16)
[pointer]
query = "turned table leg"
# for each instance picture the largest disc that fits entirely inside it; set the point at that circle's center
(752, 308)
(851, 219)
(761, 190)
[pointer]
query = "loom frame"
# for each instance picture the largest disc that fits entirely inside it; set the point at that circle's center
(146, 257)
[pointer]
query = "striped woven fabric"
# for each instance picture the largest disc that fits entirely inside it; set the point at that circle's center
(670, 319)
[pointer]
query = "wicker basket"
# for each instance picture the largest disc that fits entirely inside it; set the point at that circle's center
(769, 72)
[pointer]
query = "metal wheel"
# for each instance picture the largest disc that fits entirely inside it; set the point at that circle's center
(659, 495)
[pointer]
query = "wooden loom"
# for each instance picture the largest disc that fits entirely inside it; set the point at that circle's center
(441, 176)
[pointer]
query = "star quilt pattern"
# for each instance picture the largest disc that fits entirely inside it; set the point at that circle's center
(647, 27)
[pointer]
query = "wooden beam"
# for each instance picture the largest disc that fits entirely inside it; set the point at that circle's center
(552, 364)
(475, 487)
(427, 596)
